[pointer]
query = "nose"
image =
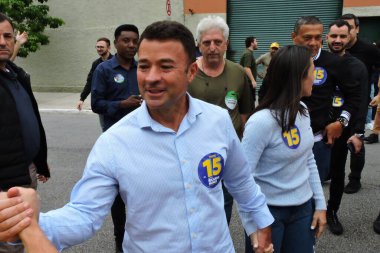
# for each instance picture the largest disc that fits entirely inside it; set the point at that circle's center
(338, 39)
(2, 40)
(153, 75)
(212, 46)
(132, 44)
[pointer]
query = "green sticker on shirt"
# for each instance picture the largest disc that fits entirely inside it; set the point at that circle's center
(231, 99)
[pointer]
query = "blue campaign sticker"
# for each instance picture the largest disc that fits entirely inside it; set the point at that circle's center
(320, 76)
(119, 78)
(292, 138)
(210, 169)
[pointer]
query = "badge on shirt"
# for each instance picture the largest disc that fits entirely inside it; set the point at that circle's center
(292, 138)
(320, 76)
(338, 101)
(210, 169)
(119, 78)
(231, 99)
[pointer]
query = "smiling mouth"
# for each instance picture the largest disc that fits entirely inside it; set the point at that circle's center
(154, 91)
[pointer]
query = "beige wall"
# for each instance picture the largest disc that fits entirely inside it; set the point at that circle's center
(65, 62)
(362, 8)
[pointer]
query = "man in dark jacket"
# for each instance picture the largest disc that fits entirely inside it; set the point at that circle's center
(337, 39)
(329, 72)
(103, 47)
(23, 150)
(370, 56)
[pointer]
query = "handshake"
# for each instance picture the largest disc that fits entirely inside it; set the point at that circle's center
(19, 211)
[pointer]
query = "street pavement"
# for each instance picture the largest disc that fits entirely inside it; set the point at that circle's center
(71, 134)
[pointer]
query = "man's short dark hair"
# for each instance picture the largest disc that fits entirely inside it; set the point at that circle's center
(249, 40)
(306, 20)
(4, 17)
(339, 23)
(350, 16)
(125, 28)
(106, 40)
(171, 30)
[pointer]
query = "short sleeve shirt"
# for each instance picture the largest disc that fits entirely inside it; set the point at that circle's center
(247, 60)
(229, 90)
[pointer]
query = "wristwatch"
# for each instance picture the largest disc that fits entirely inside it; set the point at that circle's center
(343, 121)
(360, 136)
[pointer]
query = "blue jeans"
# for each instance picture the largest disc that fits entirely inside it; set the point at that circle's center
(291, 231)
(322, 154)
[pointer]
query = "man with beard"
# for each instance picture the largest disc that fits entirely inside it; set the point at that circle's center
(337, 39)
(370, 56)
(221, 82)
(248, 62)
(329, 72)
(114, 94)
(103, 47)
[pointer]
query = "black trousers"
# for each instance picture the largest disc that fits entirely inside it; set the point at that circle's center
(357, 165)
(118, 219)
(339, 154)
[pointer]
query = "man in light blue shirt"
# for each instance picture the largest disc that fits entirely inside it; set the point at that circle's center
(167, 159)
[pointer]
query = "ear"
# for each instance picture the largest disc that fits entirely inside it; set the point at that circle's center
(192, 71)
(293, 35)
(327, 37)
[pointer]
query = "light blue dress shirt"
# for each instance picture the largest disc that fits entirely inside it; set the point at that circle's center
(169, 181)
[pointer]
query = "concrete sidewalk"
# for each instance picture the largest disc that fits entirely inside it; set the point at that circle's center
(60, 102)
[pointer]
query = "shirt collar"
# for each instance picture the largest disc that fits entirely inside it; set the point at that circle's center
(317, 55)
(115, 62)
(145, 120)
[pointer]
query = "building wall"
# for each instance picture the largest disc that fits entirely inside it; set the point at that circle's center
(362, 8)
(195, 10)
(65, 62)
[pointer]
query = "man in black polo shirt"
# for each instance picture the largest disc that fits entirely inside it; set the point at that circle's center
(370, 56)
(329, 72)
(23, 149)
(337, 39)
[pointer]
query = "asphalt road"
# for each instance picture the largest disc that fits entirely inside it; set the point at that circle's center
(71, 136)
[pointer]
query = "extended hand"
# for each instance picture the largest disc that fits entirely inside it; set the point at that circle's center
(15, 215)
(22, 38)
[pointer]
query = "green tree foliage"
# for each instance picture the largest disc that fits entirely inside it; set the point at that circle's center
(31, 16)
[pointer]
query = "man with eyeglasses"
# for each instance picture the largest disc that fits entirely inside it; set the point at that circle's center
(103, 48)
(220, 81)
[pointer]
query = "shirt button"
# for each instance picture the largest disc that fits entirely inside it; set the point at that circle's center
(188, 186)
(191, 210)
(194, 235)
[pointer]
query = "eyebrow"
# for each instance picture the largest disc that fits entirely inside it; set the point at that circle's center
(164, 60)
